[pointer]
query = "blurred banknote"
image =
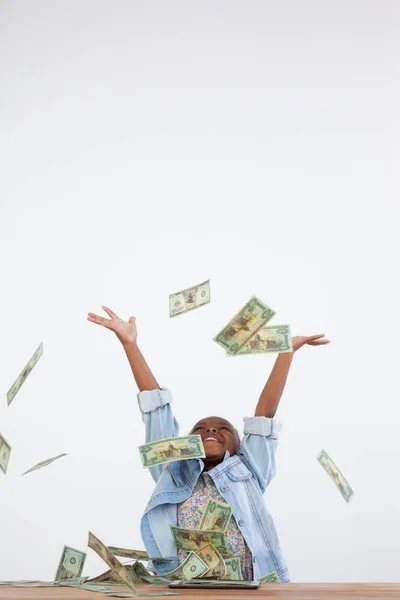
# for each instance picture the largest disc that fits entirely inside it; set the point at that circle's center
(169, 449)
(5, 451)
(193, 566)
(248, 321)
(233, 568)
(116, 567)
(216, 516)
(275, 338)
(194, 539)
(44, 463)
(12, 392)
(270, 578)
(136, 554)
(71, 564)
(327, 463)
(189, 299)
(214, 561)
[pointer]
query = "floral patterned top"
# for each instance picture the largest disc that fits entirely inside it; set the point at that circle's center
(189, 515)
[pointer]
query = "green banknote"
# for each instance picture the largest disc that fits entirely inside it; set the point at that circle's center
(116, 567)
(110, 577)
(5, 451)
(273, 338)
(248, 321)
(12, 392)
(135, 554)
(270, 578)
(214, 561)
(194, 539)
(233, 568)
(192, 566)
(71, 564)
(169, 449)
(216, 516)
(327, 463)
(44, 463)
(189, 299)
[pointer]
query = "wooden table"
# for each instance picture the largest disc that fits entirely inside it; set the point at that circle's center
(268, 591)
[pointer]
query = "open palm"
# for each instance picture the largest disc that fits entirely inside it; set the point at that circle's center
(125, 331)
(310, 340)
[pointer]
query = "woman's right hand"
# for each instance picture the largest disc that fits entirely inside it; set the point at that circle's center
(126, 332)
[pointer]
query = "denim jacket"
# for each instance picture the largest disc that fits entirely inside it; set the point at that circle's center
(240, 479)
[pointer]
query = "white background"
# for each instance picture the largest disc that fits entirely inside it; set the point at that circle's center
(148, 146)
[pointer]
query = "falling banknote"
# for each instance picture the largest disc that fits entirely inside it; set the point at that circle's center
(71, 564)
(169, 449)
(135, 554)
(12, 392)
(44, 463)
(5, 451)
(270, 578)
(216, 516)
(194, 539)
(327, 463)
(116, 567)
(192, 566)
(275, 338)
(253, 316)
(189, 299)
(233, 568)
(214, 561)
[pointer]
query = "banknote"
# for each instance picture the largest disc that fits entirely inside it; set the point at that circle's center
(142, 574)
(248, 321)
(192, 566)
(114, 564)
(214, 561)
(5, 451)
(12, 392)
(216, 516)
(71, 564)
(136, 554)
(110, 577)
(189, 299)
(270, 578)
(169, 449)
(233, 568)
(194, 539)
(327, 463)
(44, 463)
(273, 338)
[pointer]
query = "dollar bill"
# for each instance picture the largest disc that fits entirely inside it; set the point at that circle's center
(116, 567)
(192, 566)
(136, 554)
(71, 564)
(110, 577)
(189, 299)
(44, 463)
(273, 338)
(216, 516)
(5, 451)
(169, 449)
(342, 485)
(12, 392)
(214, 561)
(194, 539)
(270, 578)
(233, 568)
(248, 321)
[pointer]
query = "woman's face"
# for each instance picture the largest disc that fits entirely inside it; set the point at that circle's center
(218, 436)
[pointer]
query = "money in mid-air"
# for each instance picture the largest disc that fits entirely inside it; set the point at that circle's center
(248, 321)
(327, 463)
(270, 578)
(214, 561)
(233, 568)
(169, 449)
(71, 564)
(194, 539)
(5, 451)
(12, 392)
(216, 516)
(189, 299)
(273, 338)
(116, 567)
(192, 566)
(44, 463)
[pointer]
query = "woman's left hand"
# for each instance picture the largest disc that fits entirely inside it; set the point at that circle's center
(311, 340)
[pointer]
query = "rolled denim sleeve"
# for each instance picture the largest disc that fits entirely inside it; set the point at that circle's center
(157, 415)
(258, 448)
